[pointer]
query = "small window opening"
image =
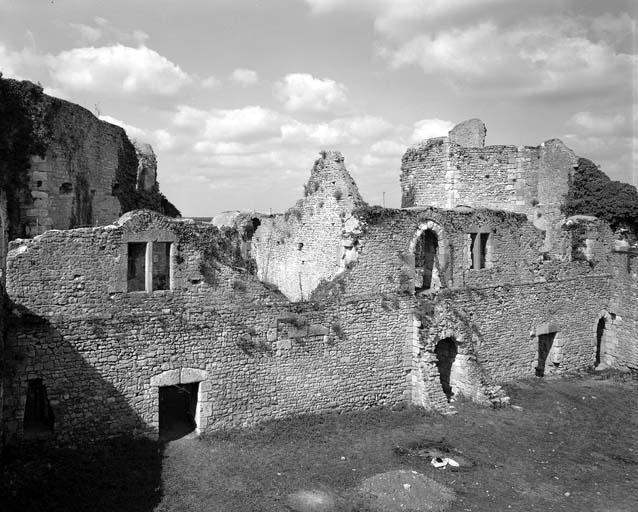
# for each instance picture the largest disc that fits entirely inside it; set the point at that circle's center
(177, 410)
(66, 188)
(545, 342)
(136, 278)
(446, 351)
(425, 255)
(38, 183)
(38, 417)
(478, 250)
(161, 265)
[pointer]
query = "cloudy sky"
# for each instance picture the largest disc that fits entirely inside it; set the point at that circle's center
(238, 96)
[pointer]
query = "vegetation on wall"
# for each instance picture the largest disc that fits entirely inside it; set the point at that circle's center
(591, 192)
(22, 134)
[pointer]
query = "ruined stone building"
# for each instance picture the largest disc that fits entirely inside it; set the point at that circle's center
(478, 280)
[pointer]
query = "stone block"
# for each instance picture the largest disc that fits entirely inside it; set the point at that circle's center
(167, 378)
(469, 134)
(189, 375)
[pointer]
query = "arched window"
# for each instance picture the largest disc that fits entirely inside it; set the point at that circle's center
(425, 259)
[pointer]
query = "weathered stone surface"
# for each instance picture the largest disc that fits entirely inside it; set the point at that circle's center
(167, 378)
(469, 134)
(368, 337)
(303, 247)
(146, 167)
(89, 173)
(531, 180)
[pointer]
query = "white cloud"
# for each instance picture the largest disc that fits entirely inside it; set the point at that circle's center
(250, 122)
(348, 131)
(543, 56)
(102, 29)
(396, 16)
(210, 82)
(303, 92)
(430, 128)
(607, 138)
(599, 124)
(87, 33)
(388, 149)
(117, 69)
(247, 123)
(189, 117)
(133, 132)
(244, 77)
(19, 64)
(163, 140)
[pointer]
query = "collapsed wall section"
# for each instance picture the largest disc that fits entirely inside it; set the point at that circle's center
(307, 245)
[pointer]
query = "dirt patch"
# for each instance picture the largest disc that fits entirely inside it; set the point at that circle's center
(402, 491)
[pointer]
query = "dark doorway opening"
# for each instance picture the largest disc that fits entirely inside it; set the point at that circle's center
(38, 417)
(600, 333)
(177, 406)
(445, 351)
(424, 259)
(545, 342)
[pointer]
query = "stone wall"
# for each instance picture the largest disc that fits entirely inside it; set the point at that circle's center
(622, 315)
(530, 180)
(299, 249)
(349, 323)
(86, 172)
(102, 352)
(3, 251)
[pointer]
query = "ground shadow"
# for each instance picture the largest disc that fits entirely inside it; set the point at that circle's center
(83, 450)
(122, 474)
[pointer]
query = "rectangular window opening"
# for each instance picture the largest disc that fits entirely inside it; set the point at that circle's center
(136, 275)
(38, 416)
(161, 265)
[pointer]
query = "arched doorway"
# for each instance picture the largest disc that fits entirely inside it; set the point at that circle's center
(446, 351)
(600, 335)
(425, 258)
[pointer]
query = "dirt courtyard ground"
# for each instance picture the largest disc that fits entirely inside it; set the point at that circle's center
(568, 445)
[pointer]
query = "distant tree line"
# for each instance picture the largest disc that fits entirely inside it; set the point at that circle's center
(591, 192)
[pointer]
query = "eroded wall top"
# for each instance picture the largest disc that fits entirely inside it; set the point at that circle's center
(307, 244)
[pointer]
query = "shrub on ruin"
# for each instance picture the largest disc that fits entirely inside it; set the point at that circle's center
(591, 192)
